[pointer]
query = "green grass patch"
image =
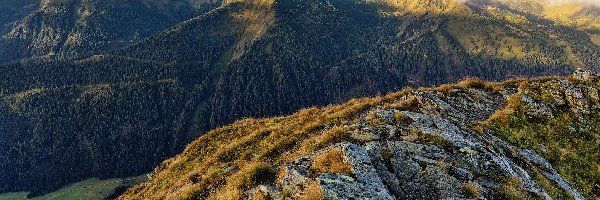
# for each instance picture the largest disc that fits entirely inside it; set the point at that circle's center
(570, 146)
(88, 189)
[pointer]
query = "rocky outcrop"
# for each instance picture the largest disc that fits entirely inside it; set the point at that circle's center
(389, 160)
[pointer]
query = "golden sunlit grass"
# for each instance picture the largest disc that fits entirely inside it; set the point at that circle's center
(503, 115)
(471, 189)
(475, 83)
(312, 192)
(331, 162)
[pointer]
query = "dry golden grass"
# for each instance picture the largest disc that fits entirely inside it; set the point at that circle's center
(410, 104)
(261, 196)
(471, 189)
(331, 162)
(471, 83)
(476, 83)
(512, 189)
(312, 192)
(402, 119)
(224, 155)
(503, 115)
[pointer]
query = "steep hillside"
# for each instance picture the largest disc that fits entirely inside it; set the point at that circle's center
(520, 139)
(64, 29)
(257, 58)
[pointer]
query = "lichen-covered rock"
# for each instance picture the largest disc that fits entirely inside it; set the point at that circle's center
(462, 174)
(536, 109)
(441, 181)
(377, 160)
(405, 167)
(342, 187)
(387, 115)
(295, 179)
(361, 165)
(577, 100)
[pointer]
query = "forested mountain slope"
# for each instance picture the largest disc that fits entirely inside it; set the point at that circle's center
(518, 139)
(121, 112)
(66, 29)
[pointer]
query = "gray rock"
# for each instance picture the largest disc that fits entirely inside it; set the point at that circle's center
(441, 181)
(462, 174)
(295, 179)
(389, 179)
(388, 115)
(342, 187)
(410, 148)
(549, 172)
(536, 109)
(576, 100)
(392, 131)
(362, 124)
(361, 165)
(543, 148)
(405, 167)
(418, 190)
(424, 161)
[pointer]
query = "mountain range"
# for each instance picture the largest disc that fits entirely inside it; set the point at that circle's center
(110, 89)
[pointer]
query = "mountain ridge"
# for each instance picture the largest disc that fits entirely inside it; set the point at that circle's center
(77, 28)
(466, 140)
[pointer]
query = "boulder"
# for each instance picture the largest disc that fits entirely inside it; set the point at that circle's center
(361, 165)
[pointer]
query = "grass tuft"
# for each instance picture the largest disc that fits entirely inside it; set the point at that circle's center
(331, 162)
(471, 189)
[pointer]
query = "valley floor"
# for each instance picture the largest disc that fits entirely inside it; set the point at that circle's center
(88, 189)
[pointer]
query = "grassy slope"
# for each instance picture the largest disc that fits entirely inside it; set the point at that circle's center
(570, 144)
